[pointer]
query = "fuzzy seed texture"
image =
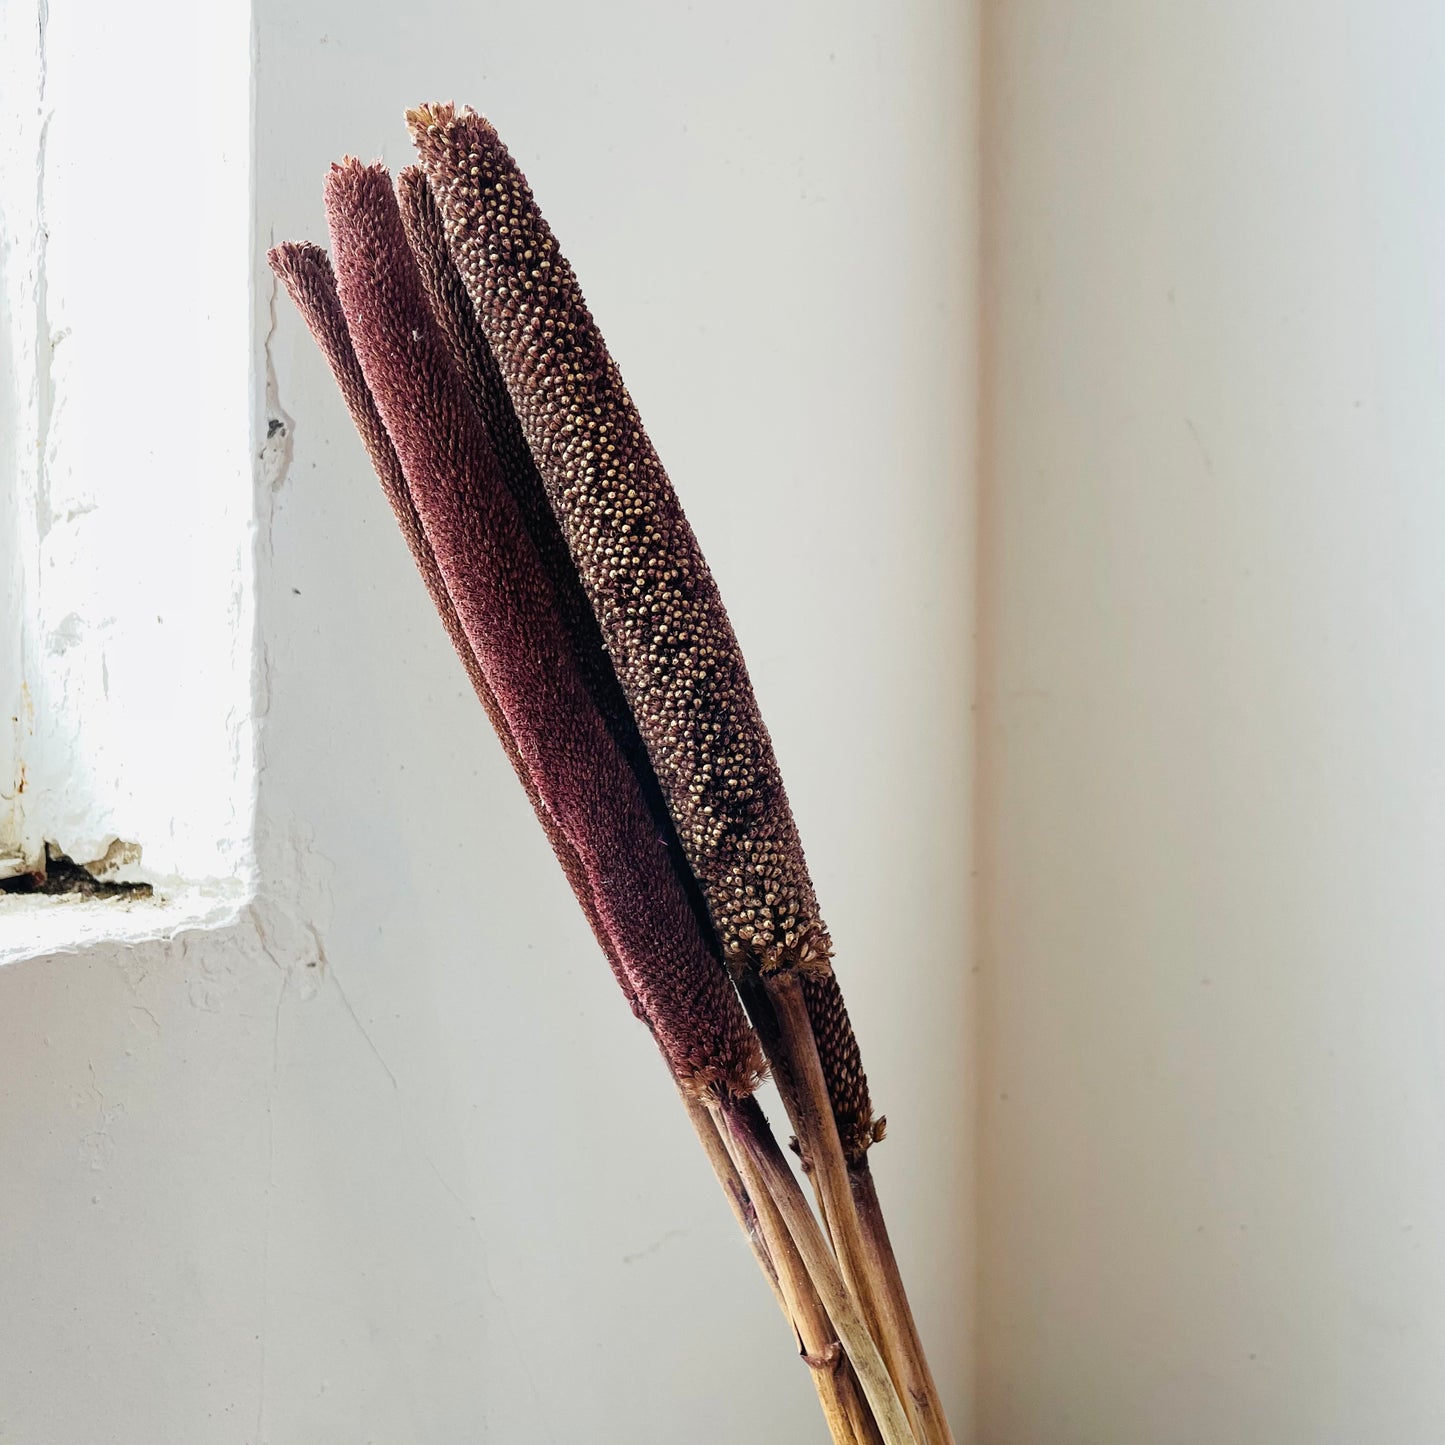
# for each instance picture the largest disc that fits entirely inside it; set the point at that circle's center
(482, 378)
(508, 611)
(652, 591)
(305, 270)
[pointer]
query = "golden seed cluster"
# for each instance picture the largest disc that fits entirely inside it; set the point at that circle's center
(663, 621)
(842, 1064)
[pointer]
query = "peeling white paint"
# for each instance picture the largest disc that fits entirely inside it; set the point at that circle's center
(22, 70)
(131, 469)
(34, 926)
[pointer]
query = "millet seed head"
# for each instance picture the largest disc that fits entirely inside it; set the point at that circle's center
(664, 624)
(305, 270)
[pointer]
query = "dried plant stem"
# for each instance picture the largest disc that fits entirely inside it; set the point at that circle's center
(766, 1174)
(812, 1117)
(880, 1298)
(865, 1427)
(849, 1416)
(850, 1421)
(931, 1422)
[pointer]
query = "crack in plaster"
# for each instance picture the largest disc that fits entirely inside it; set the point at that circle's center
(277, 446)
(274, 458)
(362, 1030)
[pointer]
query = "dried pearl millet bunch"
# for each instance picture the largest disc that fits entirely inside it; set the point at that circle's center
(517, 356)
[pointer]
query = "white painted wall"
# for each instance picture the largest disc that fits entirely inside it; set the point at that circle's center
(387, 1159)
(1213, 805)
(20, 116)
(124, 216)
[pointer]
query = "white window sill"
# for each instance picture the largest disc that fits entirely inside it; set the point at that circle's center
(37, 925)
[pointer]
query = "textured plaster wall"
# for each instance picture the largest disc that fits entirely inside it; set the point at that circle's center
(385, 1158)
(1213, 808)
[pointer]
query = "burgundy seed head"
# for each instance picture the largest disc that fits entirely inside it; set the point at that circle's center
(305, 270)
(507, 608)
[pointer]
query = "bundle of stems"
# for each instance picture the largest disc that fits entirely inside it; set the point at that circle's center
(574, 591)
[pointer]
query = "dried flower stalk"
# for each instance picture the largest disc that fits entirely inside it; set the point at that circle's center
(846, 1411)
(679, 663)
(767, 1176)
(663, 621)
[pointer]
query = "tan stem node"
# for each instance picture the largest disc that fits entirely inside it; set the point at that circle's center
(766, 1173)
